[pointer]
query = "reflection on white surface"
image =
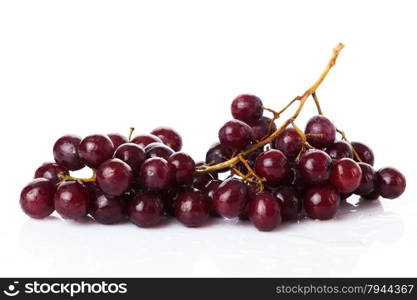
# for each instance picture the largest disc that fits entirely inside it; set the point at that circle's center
(222, 248)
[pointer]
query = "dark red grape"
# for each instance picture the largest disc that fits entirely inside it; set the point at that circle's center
(92, 189)
(365, 153)
(51, 171)
(201, 180)
(247, 108)
(107, 209)
(211, 187)
(295, 179)
(192, 208)
(144, 140)
(155, 174)
(218, 154)
(250, 159)
(158, 150)
(292, 173)
(300, 185)
(66, 152)
(146, 209)
(37, 198)
(322, 126)
(391, 183)
(236, 135)
(183, 167)
(117, 139)
(169, 197)
(137, 188)
(72, 200)
(230, 198)
(289, 142)
(252, 190)
(372, 196)
(290, 202)
(340, 149)
(95, 149)
(114, 177)
(273, 166)
(314, 166)
(368, 180)
(321, 202)
(132, 154)
(169, 137)
(209, 190)
(265, 211)
(261, 128)
(346, 175)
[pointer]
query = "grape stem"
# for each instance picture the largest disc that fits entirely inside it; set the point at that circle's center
(305, 144)
(277, 114)
(251, 173)
(302, 99)
(131, 129)
(316, 100)
(246, 177)
(65, 177)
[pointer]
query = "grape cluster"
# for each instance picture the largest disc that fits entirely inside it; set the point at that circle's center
(148, 178)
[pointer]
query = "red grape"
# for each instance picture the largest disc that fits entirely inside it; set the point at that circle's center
(320, 125)
(37, 198)
(321, 202)
(346, 175)
(169, 137)
(247, 108)
(265, 211)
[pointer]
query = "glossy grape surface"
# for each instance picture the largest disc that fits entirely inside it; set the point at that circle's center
(261, 128)
(156, 174)
(95, 149)
(218, 154)
(183, 167)
(192, 208)
(66, 152)
(107, 209)
(72, 200)
(114, 177)
(37, 198)
(290, 202)
(315, 166)
(230, 198)
(273, 166)
(365, 153)
(144, 140)
(158, 150)
(346, 175)
(146, 209)
(321, 202)
(289, 142)
(339, 150)
(236, 135)
(323, 132)
(51, 172)
(368, 180)
(169, 137)
(265, 211)
(391, 183)
(132, 154)
(247, 108)
(117, 139)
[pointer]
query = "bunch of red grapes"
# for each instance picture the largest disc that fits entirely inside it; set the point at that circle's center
(147, 178)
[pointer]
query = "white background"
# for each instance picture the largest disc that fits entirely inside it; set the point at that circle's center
(102, 66)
